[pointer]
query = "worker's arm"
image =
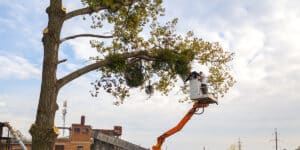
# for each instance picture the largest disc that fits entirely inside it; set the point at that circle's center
(178, 127)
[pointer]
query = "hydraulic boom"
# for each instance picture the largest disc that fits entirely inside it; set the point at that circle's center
(179, 126)
(15, 134)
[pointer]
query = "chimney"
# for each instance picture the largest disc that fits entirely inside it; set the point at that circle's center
(82, 121)
(118, 130)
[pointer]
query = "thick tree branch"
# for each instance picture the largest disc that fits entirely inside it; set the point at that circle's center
(90, 10)
(85, 35)
(83, 11)
(61, 82)
(66, 79)
(146, 57)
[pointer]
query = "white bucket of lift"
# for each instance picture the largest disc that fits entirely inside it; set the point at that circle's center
(196, 92)
(195, 88)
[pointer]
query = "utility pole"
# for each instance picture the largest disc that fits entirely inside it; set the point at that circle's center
(240, 144)
(276, 139)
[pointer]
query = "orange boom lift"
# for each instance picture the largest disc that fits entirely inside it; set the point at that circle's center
(179, 126)
(201, 100)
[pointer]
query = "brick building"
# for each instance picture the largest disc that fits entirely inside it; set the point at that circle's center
(81, 137)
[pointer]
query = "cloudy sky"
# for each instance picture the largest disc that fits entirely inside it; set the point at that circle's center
(263, 34)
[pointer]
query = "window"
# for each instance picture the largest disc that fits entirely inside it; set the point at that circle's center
(59, 147)
(79, 147)
(85, 130)
(77, 130)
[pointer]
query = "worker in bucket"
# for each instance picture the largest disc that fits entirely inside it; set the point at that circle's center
(203, 80)
(194, 74)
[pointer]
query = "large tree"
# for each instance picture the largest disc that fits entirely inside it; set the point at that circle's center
(127, 59)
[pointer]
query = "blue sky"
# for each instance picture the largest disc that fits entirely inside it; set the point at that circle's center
(263, 34)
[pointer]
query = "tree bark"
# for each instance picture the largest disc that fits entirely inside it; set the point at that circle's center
(42, 131)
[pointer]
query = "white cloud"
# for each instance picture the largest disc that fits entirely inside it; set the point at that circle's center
(18, 110)
(7, 23)
(264, 36)
(266, 65)
(17, 67)
(82, 48)
(2, 104)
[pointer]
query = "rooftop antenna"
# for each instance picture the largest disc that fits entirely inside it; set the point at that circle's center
(64, 113)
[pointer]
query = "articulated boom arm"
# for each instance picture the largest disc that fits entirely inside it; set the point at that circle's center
(179, 126)
(15, 134)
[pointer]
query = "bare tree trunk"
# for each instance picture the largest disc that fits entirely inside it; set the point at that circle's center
(42, 131)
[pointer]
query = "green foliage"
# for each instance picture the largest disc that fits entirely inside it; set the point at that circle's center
(116, 62)
(90, 2)
(167, 56)
(134, 75)
(170, 60)
(183, 63)
(182, 68)
(164, 60)
(111, 5)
